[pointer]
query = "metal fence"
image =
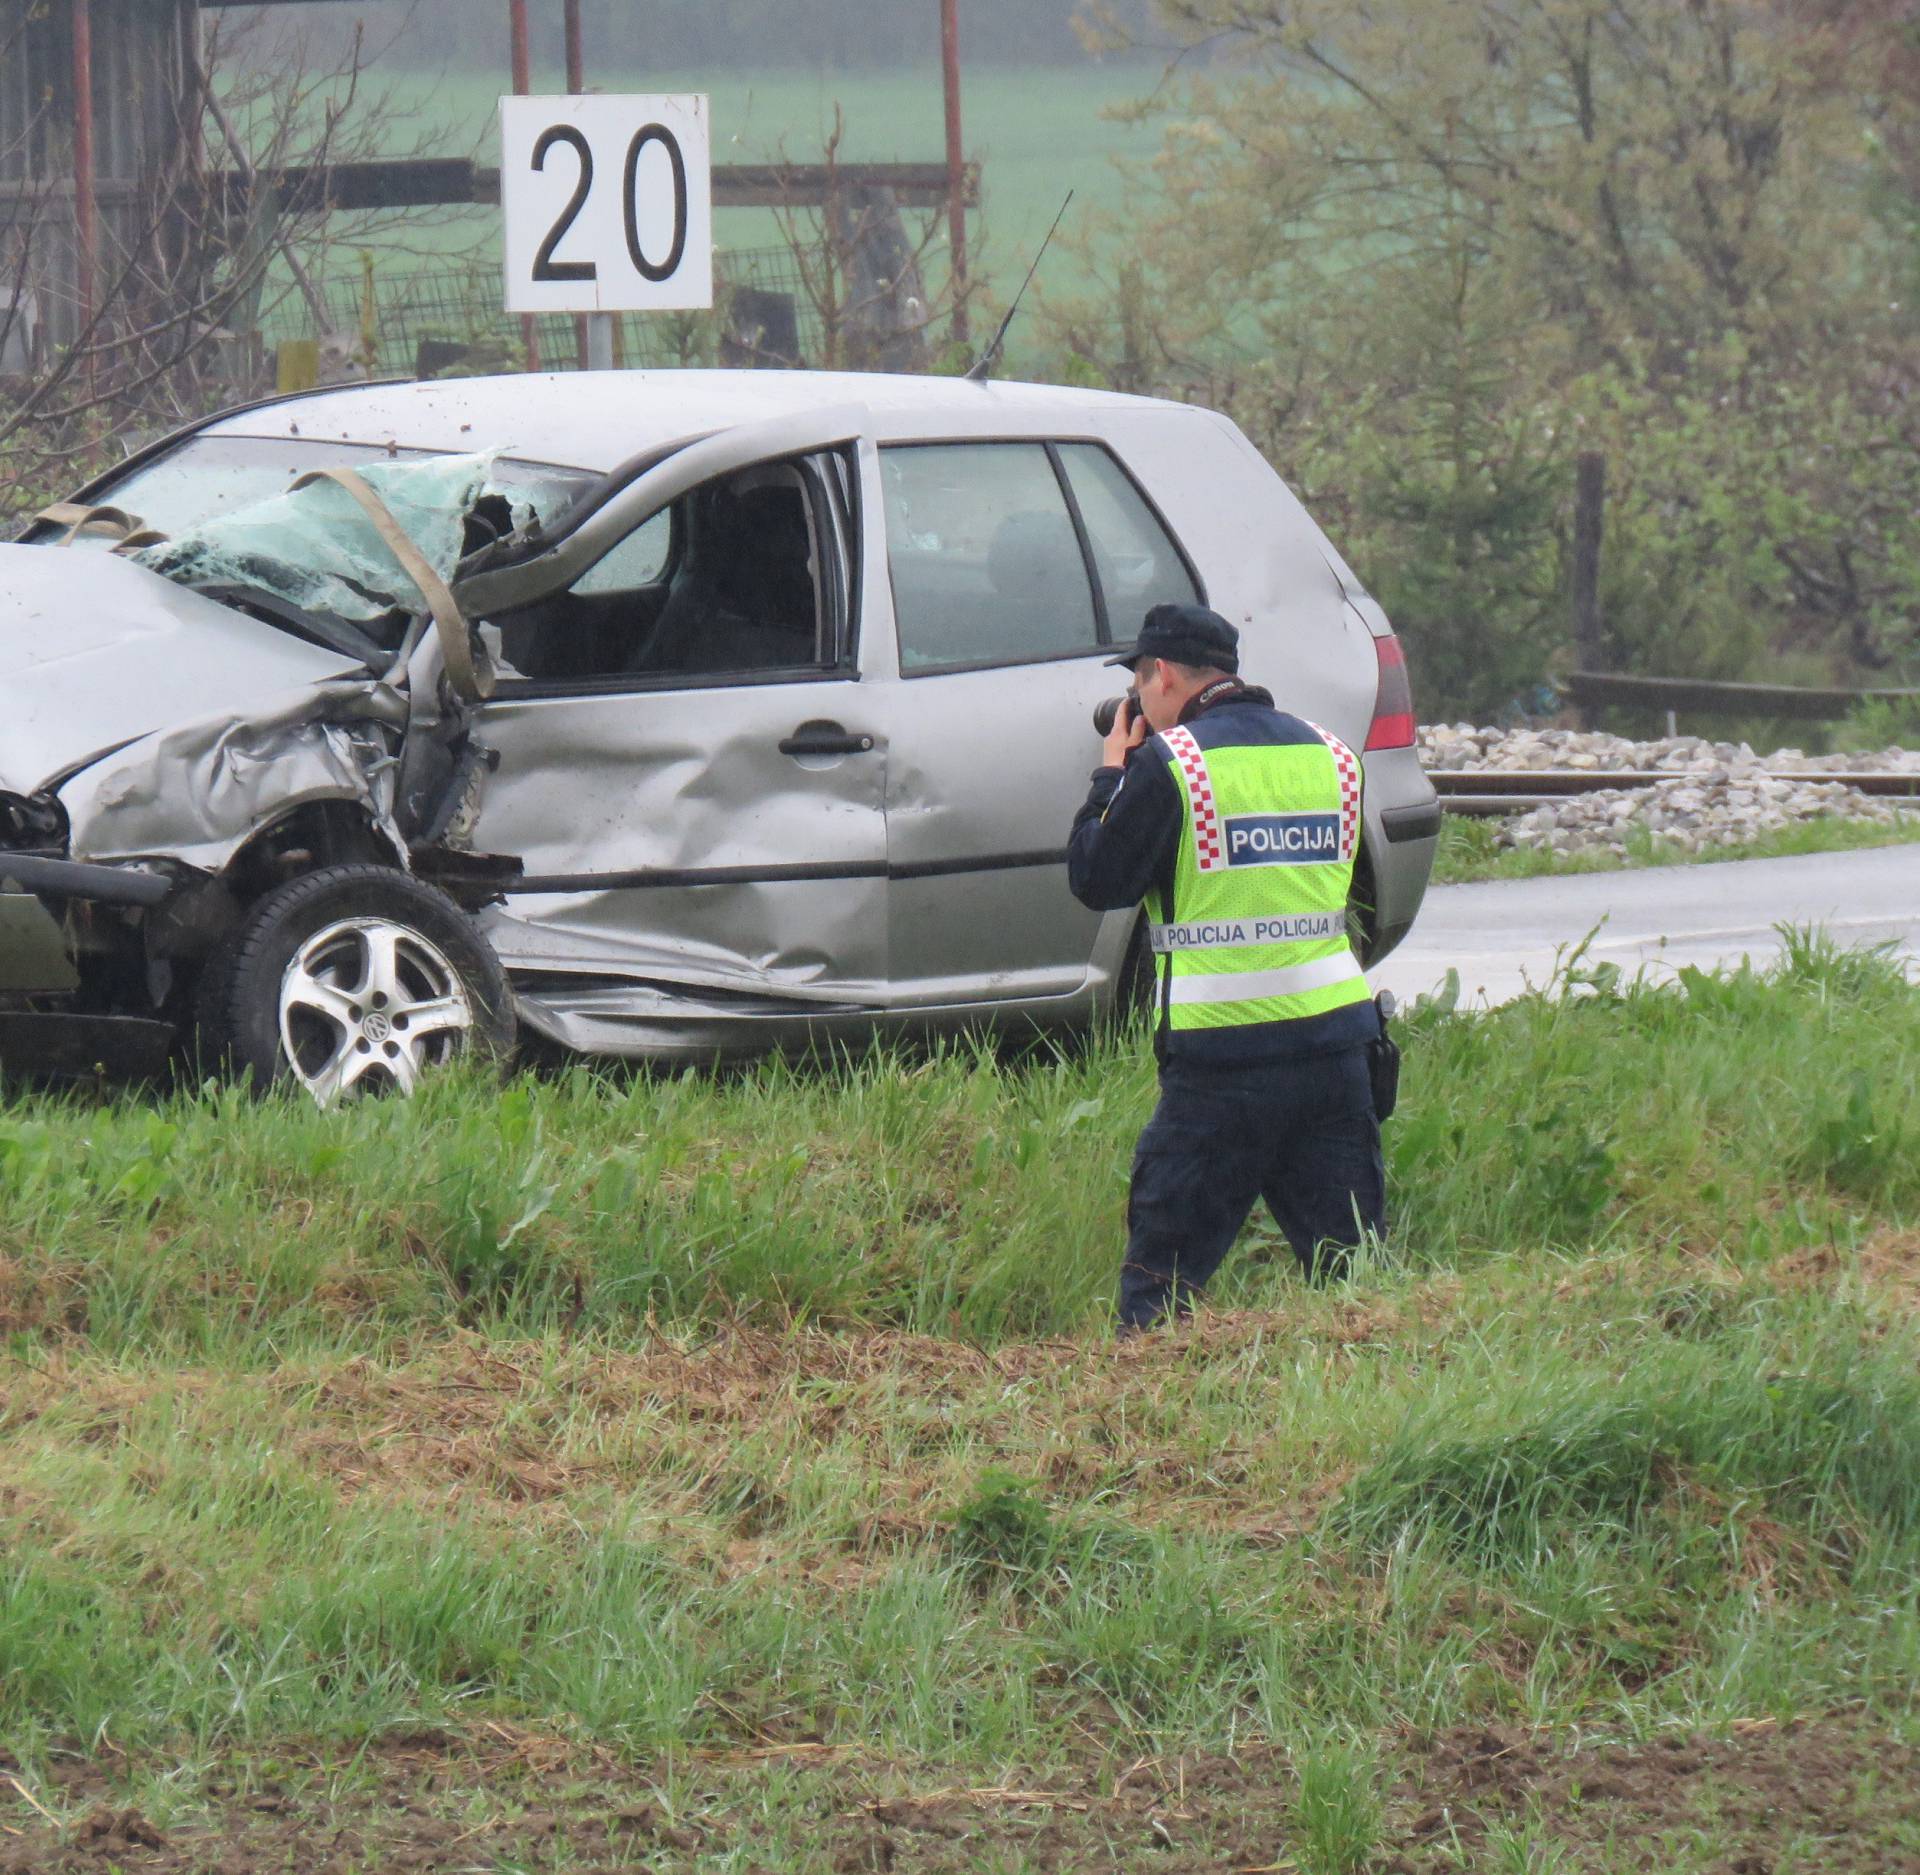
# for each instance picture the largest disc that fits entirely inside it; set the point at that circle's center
(403, 324)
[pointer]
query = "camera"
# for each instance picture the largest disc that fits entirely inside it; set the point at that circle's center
(1108, 711)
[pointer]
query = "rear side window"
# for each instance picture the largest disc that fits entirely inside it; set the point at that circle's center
(1138, 565)
(985, 556)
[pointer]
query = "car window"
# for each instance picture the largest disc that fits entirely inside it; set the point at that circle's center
(1138, 564)
(740, 578)
(208, 476)
(986, 565)
(640, 560)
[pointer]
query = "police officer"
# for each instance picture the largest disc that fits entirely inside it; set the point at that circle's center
(1238, 822)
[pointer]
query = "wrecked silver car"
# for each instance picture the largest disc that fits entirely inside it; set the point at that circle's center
(655, 713)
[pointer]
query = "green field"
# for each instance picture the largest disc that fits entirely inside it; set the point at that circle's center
(692, 1474)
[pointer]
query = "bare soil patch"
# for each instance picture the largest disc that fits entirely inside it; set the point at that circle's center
(510, 1430)
(44, 1297)
(1888, 1265)
(1763, 1798)
(1756, 1792)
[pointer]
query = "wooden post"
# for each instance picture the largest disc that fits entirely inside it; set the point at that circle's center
(956, 168)
(521, 53)
(190, 107)
(86, 229)
(523, 83)
(1589, 511)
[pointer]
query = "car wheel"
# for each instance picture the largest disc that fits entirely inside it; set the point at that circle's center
(349, 981)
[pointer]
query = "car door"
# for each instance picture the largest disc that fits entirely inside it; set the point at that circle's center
(1014, 565)
(703, 807)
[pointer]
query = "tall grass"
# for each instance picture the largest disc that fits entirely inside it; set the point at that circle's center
(1829, 1443)
(668, 1411)
(952, 1194)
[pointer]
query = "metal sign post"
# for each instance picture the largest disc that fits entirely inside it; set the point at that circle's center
(520, 55)
(576, 45)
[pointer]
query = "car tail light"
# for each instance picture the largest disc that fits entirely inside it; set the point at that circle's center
(1393, 700)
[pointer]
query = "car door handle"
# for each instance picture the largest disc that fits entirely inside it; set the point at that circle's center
(824, 739)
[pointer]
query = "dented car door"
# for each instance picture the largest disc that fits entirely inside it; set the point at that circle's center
(1016, 567)
(689, 769)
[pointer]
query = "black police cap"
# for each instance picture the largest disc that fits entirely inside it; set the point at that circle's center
(1185, 634)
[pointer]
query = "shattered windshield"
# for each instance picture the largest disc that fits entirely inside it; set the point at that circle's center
(311, 559)
(316, 548)
(213, 475)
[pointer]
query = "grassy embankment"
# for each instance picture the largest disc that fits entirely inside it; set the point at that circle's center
(675, 1473)
(1468, 851)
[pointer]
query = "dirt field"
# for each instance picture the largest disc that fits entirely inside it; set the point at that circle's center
(1767, 1801)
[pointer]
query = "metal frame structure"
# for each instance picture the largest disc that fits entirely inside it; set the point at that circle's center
(132, 75)
(116, 74)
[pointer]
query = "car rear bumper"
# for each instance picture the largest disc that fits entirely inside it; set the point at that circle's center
(1401, 824)
(1403, 834)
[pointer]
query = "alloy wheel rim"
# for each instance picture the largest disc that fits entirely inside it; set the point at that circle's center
(366, 1005)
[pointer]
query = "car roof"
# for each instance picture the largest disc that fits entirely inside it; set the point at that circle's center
(597, 419)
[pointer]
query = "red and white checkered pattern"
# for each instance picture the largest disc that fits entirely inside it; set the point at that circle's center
(1209, 845)
(1347, 767)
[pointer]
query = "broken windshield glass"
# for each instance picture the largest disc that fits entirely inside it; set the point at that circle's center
(209, 475)
(316, 549)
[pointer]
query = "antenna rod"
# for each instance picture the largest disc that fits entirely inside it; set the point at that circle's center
(988, 358)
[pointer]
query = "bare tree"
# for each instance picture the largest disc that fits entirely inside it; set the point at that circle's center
(228, 215)
(862, 270)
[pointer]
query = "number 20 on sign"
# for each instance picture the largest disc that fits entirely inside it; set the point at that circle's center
(607, 203)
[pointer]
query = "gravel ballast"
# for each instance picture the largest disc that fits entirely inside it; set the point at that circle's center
(1721, 793)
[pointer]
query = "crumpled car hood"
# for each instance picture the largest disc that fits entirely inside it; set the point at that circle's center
(95, 651)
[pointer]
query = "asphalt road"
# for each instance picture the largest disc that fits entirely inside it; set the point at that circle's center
(1503, 936)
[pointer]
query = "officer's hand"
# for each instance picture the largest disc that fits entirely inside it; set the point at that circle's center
(1128, 732)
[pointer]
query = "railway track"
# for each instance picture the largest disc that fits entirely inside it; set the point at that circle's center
(1487, 791)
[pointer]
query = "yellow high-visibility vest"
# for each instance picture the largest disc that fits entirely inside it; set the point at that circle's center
(1258, 927)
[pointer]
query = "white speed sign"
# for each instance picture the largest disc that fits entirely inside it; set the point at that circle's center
(608, 203)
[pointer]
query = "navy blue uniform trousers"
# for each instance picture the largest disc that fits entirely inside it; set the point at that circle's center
(1299, 1133)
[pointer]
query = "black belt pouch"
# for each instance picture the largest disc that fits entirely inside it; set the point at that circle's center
(1383, 1064)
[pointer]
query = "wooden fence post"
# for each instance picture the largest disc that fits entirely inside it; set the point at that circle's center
(956, 170)
(1589, 512)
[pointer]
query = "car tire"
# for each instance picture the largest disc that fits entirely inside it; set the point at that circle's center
(348, 981)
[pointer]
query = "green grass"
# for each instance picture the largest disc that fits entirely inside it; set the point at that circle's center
(754, 1448)
(1337, 1811)
(1469, 851)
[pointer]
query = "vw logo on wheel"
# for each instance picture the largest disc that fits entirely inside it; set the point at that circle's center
(368, 1004)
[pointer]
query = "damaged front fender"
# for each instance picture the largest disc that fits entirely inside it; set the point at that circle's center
(198, 792)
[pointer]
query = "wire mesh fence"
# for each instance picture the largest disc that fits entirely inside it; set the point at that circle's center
(426, 322)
